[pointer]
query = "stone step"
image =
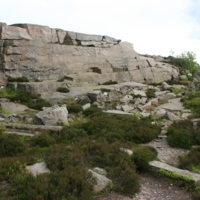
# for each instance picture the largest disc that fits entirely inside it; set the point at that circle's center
(156, 165)
(20, 133)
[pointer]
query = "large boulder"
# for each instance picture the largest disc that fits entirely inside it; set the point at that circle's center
(51, 116)
(40, 52)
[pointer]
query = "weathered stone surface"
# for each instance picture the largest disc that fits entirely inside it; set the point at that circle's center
(13, 107)
(166, 97)
(118, 112)
(102, 181)
(51, 116)
(13, 33)
(86, 106)
(39, 52)
(171, 116)
(38, 168)
(156, 165)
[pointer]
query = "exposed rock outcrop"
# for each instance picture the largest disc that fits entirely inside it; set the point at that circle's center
(39, 52)
(51, 116)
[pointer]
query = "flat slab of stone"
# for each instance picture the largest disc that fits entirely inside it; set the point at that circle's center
(173, 105)
(38, 168)
(13, 107)
(156, 165)
(118, 112)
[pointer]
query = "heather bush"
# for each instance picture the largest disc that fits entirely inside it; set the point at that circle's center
(74, 183)
(110, 82)
(183, 134)
(122, 128)
(11, 145)
(142, 156)
(19, 79)
(150, 93)
(43, 139)
(74, 108)
(63, 90)
(93, 111)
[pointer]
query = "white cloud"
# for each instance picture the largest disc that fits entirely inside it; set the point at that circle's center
(153, 26)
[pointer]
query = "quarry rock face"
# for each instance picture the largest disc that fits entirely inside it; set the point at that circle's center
(39, 52)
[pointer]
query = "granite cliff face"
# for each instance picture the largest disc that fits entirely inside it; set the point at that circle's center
(39, 52)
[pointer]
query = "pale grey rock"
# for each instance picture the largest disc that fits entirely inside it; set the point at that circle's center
(126, 99)
(166, 86)
(156, 165)
(139, 92)
(100, 171)
(86, 106)
(37, 58)
(102, 181)
(158, 113)
(51, 116)
(127, 108)
(182, 77)
(143, 114)
(147, 106)
(166, 97)
(173, 105)
(118, 112)
(13, 107)
(38, 168)
(161, 93)
(128, 151)
(154, 101)
(171, 116)
(14, 33)
(185, 115)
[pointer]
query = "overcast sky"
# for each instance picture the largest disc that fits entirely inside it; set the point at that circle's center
(155, 27)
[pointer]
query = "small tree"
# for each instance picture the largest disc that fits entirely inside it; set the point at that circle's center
(186, 61)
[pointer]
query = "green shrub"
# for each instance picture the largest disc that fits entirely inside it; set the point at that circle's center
(190, 160)
(104, 90)
(73, 184)
(142, 156)
(42, 139)
(63, 90)
(150, 93)
(122, 128)
(110, 82)
(31, 100)
(74, 108)
(93, 111)
(11, 145)
(182, 134)
(19, 79)
(186, 61)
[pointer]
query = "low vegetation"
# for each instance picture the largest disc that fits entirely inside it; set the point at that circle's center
(110, 82)
(63, 90)
(19, 79)
(183, 134)
(185, 61)
(31, 100)
(70, 153)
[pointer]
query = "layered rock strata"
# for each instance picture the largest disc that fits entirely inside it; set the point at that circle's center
(43, 53)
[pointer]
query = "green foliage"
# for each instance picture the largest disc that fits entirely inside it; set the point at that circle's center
(183, 134)
(104, 90)
(186, 61)
(42, 139)
(136, 96)
(175, 90)
(150, 93)
(74, 183)
(11, 145)
(191, 160)
(31, 100)
(93, 111)
(122, 128)
(19, 79)
(173, 175)
(110, 82)
(74, 108)
(63, 90)
(191, 100)
(142, 156)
